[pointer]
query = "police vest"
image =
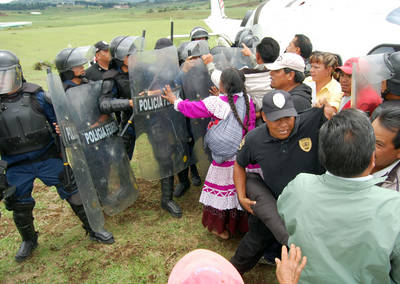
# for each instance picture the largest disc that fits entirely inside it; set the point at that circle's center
(23, 127)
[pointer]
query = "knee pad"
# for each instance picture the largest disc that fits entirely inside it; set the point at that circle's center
(14, 205)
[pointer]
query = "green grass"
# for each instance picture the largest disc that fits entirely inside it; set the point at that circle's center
(148, 241)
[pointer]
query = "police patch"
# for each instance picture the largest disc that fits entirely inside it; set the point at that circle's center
(305, 144)
(241, 144)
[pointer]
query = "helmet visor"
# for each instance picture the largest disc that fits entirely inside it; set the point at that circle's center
(10, 79)
(81, 56)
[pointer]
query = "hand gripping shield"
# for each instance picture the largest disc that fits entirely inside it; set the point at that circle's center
(96, 155)
(161, 148)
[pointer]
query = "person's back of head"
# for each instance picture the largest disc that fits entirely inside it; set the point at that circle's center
(268, 49)
(347, 143)
(304, 43)
(232, 81)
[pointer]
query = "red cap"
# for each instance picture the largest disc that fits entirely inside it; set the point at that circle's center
(348, 65)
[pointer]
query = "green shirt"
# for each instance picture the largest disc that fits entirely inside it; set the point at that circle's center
(349, 230)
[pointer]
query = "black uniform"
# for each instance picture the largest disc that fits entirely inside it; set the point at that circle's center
(115, 97)
(95, 72)
(280, 161)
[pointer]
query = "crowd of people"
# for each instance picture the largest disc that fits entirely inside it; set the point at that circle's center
(298, 154)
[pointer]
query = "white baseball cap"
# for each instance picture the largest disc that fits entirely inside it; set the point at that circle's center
(288, 60)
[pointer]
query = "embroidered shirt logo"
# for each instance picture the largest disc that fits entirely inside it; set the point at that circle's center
(305, 144)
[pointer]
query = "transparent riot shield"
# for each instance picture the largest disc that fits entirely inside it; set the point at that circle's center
(96, 155)
(161, 145)
(196, 83)
(225, 57)
(368, 75)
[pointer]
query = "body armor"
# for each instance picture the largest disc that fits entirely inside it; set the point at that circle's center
(23, 126)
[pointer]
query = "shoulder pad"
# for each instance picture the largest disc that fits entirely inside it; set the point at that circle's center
(109, 74)
(31, 88)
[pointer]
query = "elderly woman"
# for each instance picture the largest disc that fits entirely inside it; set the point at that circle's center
(322, 81)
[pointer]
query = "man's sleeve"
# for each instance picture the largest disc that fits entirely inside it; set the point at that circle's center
(395, 262)
(244, 155)
(47, 108)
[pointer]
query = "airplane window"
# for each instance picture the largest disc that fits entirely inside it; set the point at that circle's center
(394, 16)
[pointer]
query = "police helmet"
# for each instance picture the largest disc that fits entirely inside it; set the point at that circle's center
(392, 61)
(250, 41)
(10, 72)
(68, 58)
(122, 46)
(242, 35)
(195, 49)
(198, 33)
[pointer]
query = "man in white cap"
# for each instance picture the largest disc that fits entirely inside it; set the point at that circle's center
(287, 73)
(285, 146)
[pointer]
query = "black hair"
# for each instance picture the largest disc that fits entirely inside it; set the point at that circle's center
(304, 43)
(232, 81)
(389, 117)
(346, 143)
(298, 76)
(268, 49)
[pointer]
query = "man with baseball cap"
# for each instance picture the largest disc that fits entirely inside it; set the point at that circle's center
(102, 58)
(285, 146)
(287, 73)
(367, 98)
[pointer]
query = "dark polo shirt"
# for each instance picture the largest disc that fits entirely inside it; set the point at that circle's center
(282, 160)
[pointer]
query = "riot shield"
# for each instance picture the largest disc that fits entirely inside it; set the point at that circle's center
(161, 146)
(96, 155)
(368, 75)
(225, 57)
(196, 83)
(194, 49)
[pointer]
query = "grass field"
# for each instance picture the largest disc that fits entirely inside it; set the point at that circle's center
(148, 241)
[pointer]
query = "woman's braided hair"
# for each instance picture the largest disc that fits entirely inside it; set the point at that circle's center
(232, 81)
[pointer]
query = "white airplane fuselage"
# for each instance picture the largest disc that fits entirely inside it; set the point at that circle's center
(346, 27)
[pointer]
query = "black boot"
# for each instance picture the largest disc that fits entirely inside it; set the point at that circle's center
(102, 236)
(183, 184)
(196, 180)
(24, 222)
(167, 203)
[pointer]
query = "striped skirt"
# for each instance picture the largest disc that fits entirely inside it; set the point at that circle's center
(221, 209)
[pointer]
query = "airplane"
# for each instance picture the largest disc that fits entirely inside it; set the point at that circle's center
(5, 25)
(344, 27)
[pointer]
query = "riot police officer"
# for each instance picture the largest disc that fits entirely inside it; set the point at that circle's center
(116, 93)
(103, 57)
(198, 33)
(28, 146)
(70, 64)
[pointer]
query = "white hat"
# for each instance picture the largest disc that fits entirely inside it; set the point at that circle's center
(288, 60)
